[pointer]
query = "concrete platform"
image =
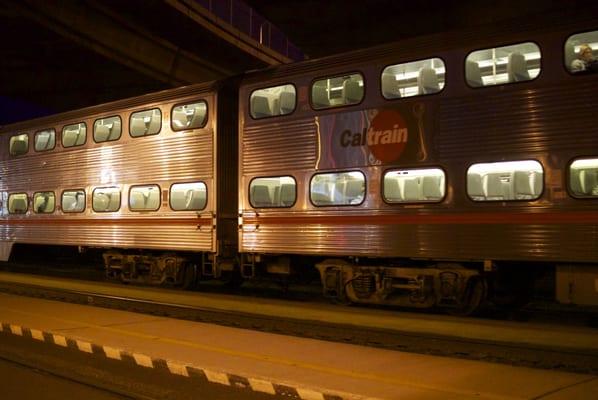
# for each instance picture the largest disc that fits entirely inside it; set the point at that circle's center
(268, 362)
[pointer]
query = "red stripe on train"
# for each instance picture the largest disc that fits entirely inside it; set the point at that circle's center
(424, 219)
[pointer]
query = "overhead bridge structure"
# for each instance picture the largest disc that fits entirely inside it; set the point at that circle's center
(67, 54)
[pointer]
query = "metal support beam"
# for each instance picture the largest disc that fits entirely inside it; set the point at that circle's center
(116, 38)
(208, 21)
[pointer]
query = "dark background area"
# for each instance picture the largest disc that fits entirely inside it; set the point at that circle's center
(45, 69)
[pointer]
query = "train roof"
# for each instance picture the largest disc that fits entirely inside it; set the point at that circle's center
(132, 102)
(505, 32)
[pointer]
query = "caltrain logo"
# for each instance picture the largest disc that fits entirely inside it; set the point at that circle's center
(385, 138)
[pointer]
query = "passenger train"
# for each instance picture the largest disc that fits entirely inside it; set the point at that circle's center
(441, 171)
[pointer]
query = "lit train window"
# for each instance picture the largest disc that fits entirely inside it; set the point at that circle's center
(18, 203)
(272, 101)
(45, 140)
(74, 135)
(414, 185)
(73, 201)
(188, 196)
(106, 199)
(144, 198)
(499, 65)
(581, 53)
(44, 202)
(338, 188)
(279, 191)
(19, 144)
(107, 129)
(189, 116)
(414, 78)
(337, 91)
(145, 123)
(583, 178)
(505, 181)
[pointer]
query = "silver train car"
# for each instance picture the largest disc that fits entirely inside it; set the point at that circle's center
(434, 172)
(129, 175)
(437, 171)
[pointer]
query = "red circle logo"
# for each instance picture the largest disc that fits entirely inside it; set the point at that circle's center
(387, 135)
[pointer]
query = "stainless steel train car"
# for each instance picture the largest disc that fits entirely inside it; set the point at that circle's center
(137, 174)
(434, 172)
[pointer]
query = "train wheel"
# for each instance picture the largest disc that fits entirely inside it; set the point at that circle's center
(474, 297)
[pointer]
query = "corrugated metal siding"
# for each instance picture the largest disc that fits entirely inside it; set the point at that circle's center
(272, 147)
(518, 121)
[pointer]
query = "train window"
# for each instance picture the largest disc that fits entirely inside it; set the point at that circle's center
(188, 196)
(144, 198)
(106, 199)
(74, 135)
(189, 116)
(44, 202)
(19, 144)
(18, 203)
(45, 140)
(73, 201)
(414, 78)
(279, 191)
(499, 65)
(272, 101)
(107, 129)
(414, 185)
(581, 52)
(145, 123)
(338, 188)
(503, 181)
(337, 91)
(583, 178)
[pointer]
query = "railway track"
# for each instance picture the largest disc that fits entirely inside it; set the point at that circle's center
(428, 342)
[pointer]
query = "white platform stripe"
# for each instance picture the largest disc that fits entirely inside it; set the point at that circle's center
(261, 386)
(60, 340)
(37, 334)
(143, 360)
(112, 353)
(217, 377)
(177, 369)
(16, 330)
(308, 394)
(84, 346)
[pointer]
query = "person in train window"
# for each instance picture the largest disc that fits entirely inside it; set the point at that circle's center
(585, 61)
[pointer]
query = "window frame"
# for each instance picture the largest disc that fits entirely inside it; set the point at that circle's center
(323, 77)
(84, 201)
(8, 203)
(206, 119)
(35, 138)
(184, 183)
(365, 192)
(120, 203)
(464, 65)
(417, 95)
(142, 110)
(76, 145)
(503, 200)
(33, 202)
(568, 179)
(145, 209)
(566, 67)
(273, 177)
(396, 203)
(93, 135)
(272, 116)
(28, 147)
